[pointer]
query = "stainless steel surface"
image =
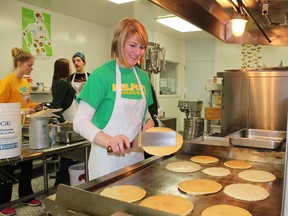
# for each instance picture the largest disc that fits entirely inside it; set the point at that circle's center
(79, 202)
(66, 134)
(152, 176)
(254, 98)
(157, 138)
(210, 140)
(224, 150)
(71, 200)
(39, 132)
(265, 139)
(32, 154)
(265, 26)
(157, 180)
(145, 139)
(193, 127)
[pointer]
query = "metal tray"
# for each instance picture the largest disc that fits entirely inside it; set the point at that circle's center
(266, 139)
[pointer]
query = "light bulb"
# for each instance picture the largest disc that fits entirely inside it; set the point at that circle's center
(238, 26)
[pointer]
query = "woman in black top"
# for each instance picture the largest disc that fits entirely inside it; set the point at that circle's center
(63, 97)
(62, 91)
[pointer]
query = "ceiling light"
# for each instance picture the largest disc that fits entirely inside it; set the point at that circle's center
(178, 24)
(239, 20)
(238, 25)
(121, 1)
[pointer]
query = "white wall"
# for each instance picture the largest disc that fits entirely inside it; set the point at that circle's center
(228, 56)
(200, 66)
(69, 35)
(174, 53)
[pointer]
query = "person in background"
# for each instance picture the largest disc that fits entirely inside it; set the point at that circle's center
(79, 78)
(14, 88)
(63, 96)
(113, 104)
(62, 91)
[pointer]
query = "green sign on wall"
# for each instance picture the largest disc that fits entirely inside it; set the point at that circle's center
(36, 33)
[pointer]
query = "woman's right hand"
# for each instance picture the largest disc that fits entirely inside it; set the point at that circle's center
(118, 144)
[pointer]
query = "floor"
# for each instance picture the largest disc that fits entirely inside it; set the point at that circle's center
(37, 185)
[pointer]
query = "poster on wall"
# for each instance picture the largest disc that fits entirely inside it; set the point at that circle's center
(36, 33)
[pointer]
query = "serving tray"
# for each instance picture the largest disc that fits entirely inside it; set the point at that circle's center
(266, 139)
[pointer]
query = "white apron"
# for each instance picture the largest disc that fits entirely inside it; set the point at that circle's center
(69, 113)
(126, 119)
(78, 85)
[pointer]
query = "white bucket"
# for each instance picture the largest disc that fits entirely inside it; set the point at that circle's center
(75, 171)
(10, 130)
(39, 132)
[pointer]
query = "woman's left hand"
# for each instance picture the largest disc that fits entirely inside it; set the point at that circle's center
(149, 123)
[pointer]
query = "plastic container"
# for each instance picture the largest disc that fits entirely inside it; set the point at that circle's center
(10, 130)
(76, 172)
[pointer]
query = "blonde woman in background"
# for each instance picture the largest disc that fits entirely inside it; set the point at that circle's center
(14, 88)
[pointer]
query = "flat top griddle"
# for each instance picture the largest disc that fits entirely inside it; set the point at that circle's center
(157, 180)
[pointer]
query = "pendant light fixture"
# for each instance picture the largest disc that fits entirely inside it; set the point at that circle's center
(239, 21)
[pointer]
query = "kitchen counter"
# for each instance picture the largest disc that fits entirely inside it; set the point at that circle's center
(43, 154)
(151, 175)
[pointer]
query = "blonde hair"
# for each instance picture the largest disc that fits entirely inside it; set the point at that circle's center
(125, 29)
(20, 55)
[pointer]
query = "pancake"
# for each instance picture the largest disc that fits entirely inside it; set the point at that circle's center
(238, 164)
(127, 193)
(199, 186)
(183, 166)
(257, 176)
(163, 150)
(225, 210)
(216, 171)
(246, 192)
(169, 203)
(203, 159)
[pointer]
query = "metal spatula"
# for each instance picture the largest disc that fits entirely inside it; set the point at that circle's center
(165, 138)
(156, 139)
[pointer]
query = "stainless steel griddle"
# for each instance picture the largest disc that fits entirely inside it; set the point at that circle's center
(152, 176)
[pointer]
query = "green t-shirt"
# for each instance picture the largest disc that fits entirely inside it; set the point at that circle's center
(100, 90)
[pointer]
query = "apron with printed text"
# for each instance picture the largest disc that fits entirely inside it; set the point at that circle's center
(126, 119)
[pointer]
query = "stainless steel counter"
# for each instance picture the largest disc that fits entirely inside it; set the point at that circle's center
(152, 176)
(43, 154)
